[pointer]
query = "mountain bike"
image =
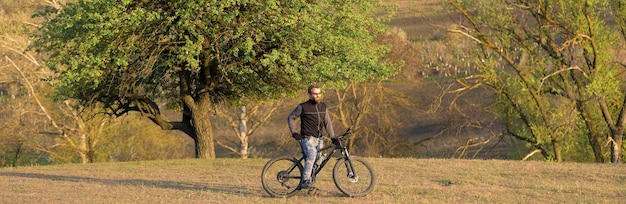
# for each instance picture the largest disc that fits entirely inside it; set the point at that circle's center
(353, 176)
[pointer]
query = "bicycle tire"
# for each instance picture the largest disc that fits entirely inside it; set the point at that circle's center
(281, 176)
(360, 184)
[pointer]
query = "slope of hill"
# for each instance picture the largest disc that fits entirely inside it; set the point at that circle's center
(432, 133)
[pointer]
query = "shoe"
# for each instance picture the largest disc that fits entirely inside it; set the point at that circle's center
(308, 184)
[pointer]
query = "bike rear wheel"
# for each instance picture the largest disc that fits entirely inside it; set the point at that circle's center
(281, 176)
(355, 177)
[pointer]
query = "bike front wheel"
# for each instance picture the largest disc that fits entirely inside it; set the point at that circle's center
(354, 177)
(281, 176)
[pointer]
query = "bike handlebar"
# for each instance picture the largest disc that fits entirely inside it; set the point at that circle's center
(346, 134)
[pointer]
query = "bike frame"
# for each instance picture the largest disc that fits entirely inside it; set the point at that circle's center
(349, 186)
(335, 148)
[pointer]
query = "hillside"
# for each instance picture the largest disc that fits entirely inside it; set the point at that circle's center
(431, 128)
(237, 181)
(436, 125)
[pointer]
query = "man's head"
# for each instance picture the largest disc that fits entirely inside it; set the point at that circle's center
(315, 93)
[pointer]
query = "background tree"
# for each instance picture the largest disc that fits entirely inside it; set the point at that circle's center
(32, 122)
(243, 120)
(555, 66)
(368, 106)
(126, 55)
(35, 130)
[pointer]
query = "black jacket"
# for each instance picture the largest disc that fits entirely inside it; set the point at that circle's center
(313, 117)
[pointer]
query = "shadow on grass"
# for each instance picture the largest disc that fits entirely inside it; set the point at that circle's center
(225, 188)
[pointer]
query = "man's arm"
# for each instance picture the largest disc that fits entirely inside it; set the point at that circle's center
(329, 125)
(291, 119)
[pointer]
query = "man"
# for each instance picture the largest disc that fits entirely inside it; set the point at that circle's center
(313, 117)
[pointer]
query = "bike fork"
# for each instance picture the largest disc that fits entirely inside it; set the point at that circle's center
(350, 168)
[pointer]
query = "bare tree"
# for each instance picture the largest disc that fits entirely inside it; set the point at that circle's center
(26, 73)
(244, 121)
(374, 111)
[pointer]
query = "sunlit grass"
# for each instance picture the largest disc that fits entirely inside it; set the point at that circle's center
(238, 181)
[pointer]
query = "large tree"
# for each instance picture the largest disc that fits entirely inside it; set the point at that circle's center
(128, 55)
(557, 68)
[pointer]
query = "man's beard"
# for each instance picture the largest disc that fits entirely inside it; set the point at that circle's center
(316, 100)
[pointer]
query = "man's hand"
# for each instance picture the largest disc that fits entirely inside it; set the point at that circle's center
(296, 136)
(335, 140)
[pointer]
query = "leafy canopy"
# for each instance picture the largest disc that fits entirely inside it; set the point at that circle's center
(112, 50)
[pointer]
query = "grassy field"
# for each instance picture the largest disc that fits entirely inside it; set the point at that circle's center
(398, 180)
(238, 181)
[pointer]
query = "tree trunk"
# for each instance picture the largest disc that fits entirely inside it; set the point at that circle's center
(557, 151)
(82, 148)
(592, 138)
(18, 152)
(243, 132)
(205, 147)
(585, 112)
(616, 147)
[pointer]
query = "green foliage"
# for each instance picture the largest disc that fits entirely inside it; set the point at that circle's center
(128, 55)
(17, 153)
(447, 182)
(553, 64)
(132, 139)
(110, 49)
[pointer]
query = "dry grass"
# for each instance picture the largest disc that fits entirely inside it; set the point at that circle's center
(399, 180)
(420, 18)
(237, 181)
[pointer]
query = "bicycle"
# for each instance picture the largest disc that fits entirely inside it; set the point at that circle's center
(353, 176)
